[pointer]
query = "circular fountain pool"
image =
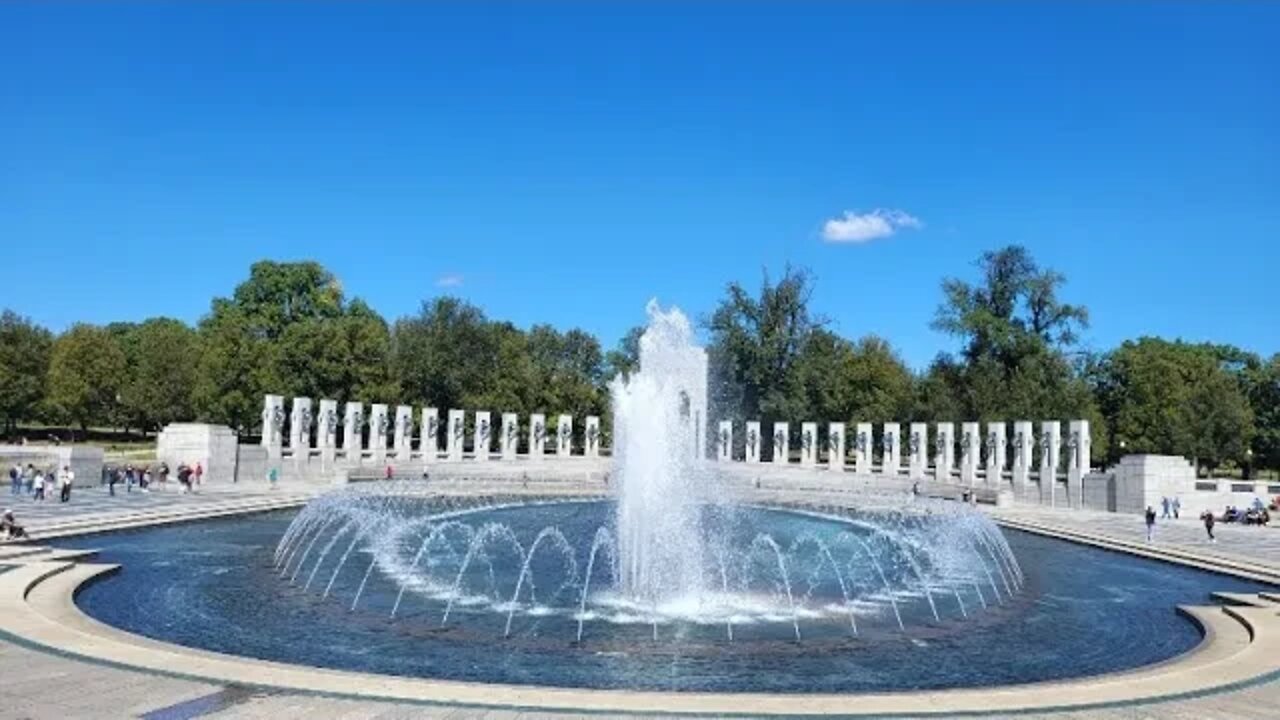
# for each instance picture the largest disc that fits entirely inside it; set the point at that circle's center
(786, 600)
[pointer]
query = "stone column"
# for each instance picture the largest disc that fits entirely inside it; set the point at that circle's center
(753, 441)
(918, 447)
(564, 436)
(1078, 451)
(891, 440)
(591, 437)
(537, 436)
(809, 444)
(1023, 445)
(482, 436)
(378, 432)
(300, 429)
(429, 443)
(510, 440)
(1050, 443)
(352, 431)
(724, 441)
(862, 449)
(327, 435)
(944, 455)
(970, 452)
(403, 437)
(273, 425)
(781, 443)
(457, 426)
(995, 453)
(835, 446)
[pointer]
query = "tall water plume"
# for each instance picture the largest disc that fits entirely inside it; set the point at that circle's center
(658, 412)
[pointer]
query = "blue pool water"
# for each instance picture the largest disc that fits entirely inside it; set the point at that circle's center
(214, 585)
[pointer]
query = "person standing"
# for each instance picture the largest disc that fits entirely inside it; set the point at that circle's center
(199, 474)
(1208, 519)
(38, 483)
(29, 479)
(64, 481)
(1164, 508)
(273, 476)
(1177, 505)
(113, 477)
(15, 480)
(1151, 523)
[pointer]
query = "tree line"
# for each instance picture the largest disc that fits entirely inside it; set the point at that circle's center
(290, 329)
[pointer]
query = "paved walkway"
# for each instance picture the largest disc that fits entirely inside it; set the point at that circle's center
(1235, 543)
(94, 505)
(38, 684)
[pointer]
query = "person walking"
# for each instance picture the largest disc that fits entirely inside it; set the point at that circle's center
(273, 476)
(199, 474)
(64, 481)
(1164, 508)
(130, 477)
(1207, 518)
(1151, 523)
(113, 477)
(38, 483)
(1177, 505)
(15, 481)
(29, 479)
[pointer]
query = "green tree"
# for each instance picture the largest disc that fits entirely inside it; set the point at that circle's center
(287, 329)
(87, 371)
(236, 368)
(1264, 400)
(1174, 398)
(24, 362)
(1015, 334)
(346, 357)
(568, 371)
(161, 356)
(444, 354)
(847, 381)
(756, 342)
(625, 359)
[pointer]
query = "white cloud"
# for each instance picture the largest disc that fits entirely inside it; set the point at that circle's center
(451, 280)
(854, 227)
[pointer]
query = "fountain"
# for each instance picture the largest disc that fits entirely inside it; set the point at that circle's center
(670, 548)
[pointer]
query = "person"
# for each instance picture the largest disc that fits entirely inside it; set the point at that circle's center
(1151, 523)
(273, 476)
(1164, 508)
(15, 480)
(1207, 518)
(29, 478)
(915, 489)
(390, 472)
(1177, 506)
(130, 477)
(39, 486)
(164, 474)
(9, 525)
(64, 481)
(184, 477)
(113, 477)
(145, 481)
(199, 474)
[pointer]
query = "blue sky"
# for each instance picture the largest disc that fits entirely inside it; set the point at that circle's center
(564, 163)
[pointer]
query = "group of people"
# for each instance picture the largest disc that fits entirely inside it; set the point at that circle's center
(189, 477)
(1258, 513)
(1255, 514)
(39, 482)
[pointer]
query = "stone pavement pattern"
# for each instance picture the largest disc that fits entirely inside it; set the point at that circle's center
(1260, 545)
